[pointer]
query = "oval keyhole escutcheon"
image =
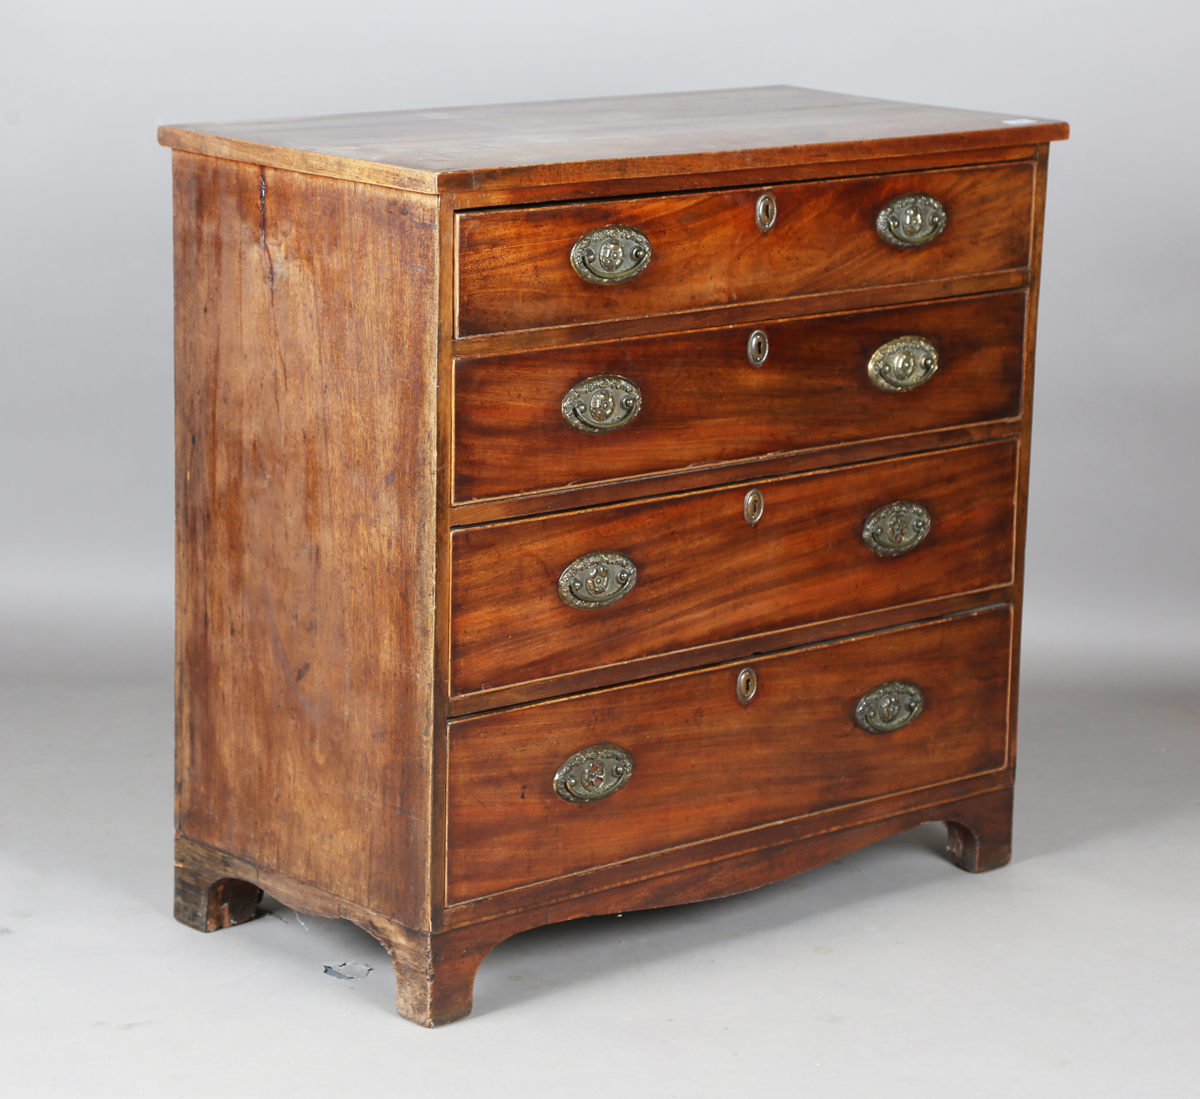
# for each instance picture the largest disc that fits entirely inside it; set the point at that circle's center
(747, 685)
(765, 211)
(752, 506)
(757, 348)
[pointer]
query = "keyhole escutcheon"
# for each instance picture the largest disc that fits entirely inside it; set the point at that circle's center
(752, 506)
(747, 685)
(757, 348)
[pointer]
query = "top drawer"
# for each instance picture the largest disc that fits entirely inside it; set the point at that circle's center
(707, 249)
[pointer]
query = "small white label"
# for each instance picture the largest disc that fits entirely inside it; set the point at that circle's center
(1019, 122)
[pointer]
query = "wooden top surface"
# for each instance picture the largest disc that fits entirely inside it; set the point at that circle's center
(591, 140)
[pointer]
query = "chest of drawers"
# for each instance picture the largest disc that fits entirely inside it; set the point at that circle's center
(596, 505)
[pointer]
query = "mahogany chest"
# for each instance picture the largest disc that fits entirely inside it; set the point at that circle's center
(593, 505)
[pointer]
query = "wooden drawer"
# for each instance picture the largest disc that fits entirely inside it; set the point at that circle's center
(703, 402)
(704, 574)
(514, 271)
(705, 764)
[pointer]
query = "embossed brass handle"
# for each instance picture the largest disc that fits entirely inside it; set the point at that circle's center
(610, 254)
(896, 528)
(889, 707)
(597, 580)
(903, 364)
(593, 774)
(601, 403)
(911, 220)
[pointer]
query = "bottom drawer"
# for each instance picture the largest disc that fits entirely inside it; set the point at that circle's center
(704, 763)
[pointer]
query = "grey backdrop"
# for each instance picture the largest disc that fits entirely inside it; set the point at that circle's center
(85, 410)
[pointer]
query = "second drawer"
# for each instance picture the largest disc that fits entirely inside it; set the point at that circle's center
(702, 399)
(708, 569)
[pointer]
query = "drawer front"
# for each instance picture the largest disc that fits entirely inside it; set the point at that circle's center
(701, 400)
(705, 574)
(515, 272)
(705, 764)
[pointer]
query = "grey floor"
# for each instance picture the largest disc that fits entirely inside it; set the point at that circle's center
(1074, 971)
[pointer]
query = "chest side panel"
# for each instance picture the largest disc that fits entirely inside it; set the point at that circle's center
(306, 342)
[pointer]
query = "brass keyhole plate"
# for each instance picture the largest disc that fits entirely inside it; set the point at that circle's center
(747, 685)
(752, 506)
(757, 348)
(765, 211)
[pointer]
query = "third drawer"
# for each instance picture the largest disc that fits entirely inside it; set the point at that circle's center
(705, 573)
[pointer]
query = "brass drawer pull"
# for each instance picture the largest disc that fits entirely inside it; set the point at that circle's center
(747, 685)
(765, 211)
(593, 774)
(903, 364)
(757, 347)
(603, 402)
(613, 253)
(597, 580)
(911, 220)
(889, 707)
(897, 528)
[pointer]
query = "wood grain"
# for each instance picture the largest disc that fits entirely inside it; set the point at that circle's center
(752, 313)
(497, 509)
(703, 402)
(705, 575)
(305, 319)
(705, 764)
(627, 137)
(747, 175)
(514, 270)
(736, 648)
(1023, 465)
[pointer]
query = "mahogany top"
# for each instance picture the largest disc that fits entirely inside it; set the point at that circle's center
(592, 140)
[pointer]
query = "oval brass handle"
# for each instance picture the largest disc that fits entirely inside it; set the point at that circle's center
(903, 364)
(597, 580)
(610, 254)
(603, 402)
(911, 220)
(593, 774)
(889, 707)
(896, 528)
